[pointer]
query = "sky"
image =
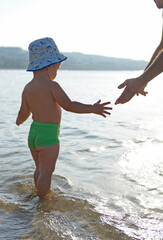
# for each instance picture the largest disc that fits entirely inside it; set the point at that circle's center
(121, 28)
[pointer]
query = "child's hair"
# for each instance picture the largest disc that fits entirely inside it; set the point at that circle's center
(43, 53)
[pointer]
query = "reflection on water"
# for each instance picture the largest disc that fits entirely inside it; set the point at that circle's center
(108, 180)
(142, 167)
(143, 162)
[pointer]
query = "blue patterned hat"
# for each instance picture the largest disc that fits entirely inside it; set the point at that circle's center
(43, 53)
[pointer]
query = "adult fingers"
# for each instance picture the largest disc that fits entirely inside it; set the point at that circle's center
(143, 93)
(125, 97)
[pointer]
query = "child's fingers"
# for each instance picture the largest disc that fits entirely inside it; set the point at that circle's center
(98, 102)
(103, 115)
(106, 112)
(109, 108)
(105, 103)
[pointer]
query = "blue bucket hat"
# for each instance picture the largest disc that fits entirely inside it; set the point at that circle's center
(43, 53)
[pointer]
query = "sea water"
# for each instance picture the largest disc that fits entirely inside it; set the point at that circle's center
(108, 182)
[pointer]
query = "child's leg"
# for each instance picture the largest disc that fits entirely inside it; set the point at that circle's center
(47, 159)
(35, 156)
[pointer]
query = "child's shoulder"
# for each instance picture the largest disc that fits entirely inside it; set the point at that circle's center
(27, 86)
(55, 84)
(56, 88)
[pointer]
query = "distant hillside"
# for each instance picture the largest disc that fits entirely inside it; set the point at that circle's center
(13, 58)
(94, 62)
(17, 58)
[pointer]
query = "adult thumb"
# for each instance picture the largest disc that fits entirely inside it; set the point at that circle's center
(122, 85)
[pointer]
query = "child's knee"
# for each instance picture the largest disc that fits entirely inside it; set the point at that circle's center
(37, 171)
(47, 171)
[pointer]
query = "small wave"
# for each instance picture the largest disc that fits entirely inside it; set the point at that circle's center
(87, 150)
(89, 136)
(7, 207)
(5, 155)
(100, 148)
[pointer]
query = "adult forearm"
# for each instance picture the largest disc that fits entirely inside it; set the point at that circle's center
(153, 71)
(154, 56)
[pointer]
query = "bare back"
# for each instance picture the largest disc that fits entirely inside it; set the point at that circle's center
(41, 102)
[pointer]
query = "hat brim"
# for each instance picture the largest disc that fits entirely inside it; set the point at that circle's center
(30, 69)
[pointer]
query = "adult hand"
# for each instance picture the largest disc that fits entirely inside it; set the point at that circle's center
(132, 86)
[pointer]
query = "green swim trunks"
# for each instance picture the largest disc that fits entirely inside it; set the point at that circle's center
(43, 134)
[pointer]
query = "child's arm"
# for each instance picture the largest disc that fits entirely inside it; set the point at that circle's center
(24, 111)
(64, 101)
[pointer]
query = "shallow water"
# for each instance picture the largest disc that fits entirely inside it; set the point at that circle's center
(108, 182)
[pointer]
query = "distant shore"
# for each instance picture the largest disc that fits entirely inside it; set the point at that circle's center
(17, 58)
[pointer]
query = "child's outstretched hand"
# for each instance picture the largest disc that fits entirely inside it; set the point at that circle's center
(99, 108)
